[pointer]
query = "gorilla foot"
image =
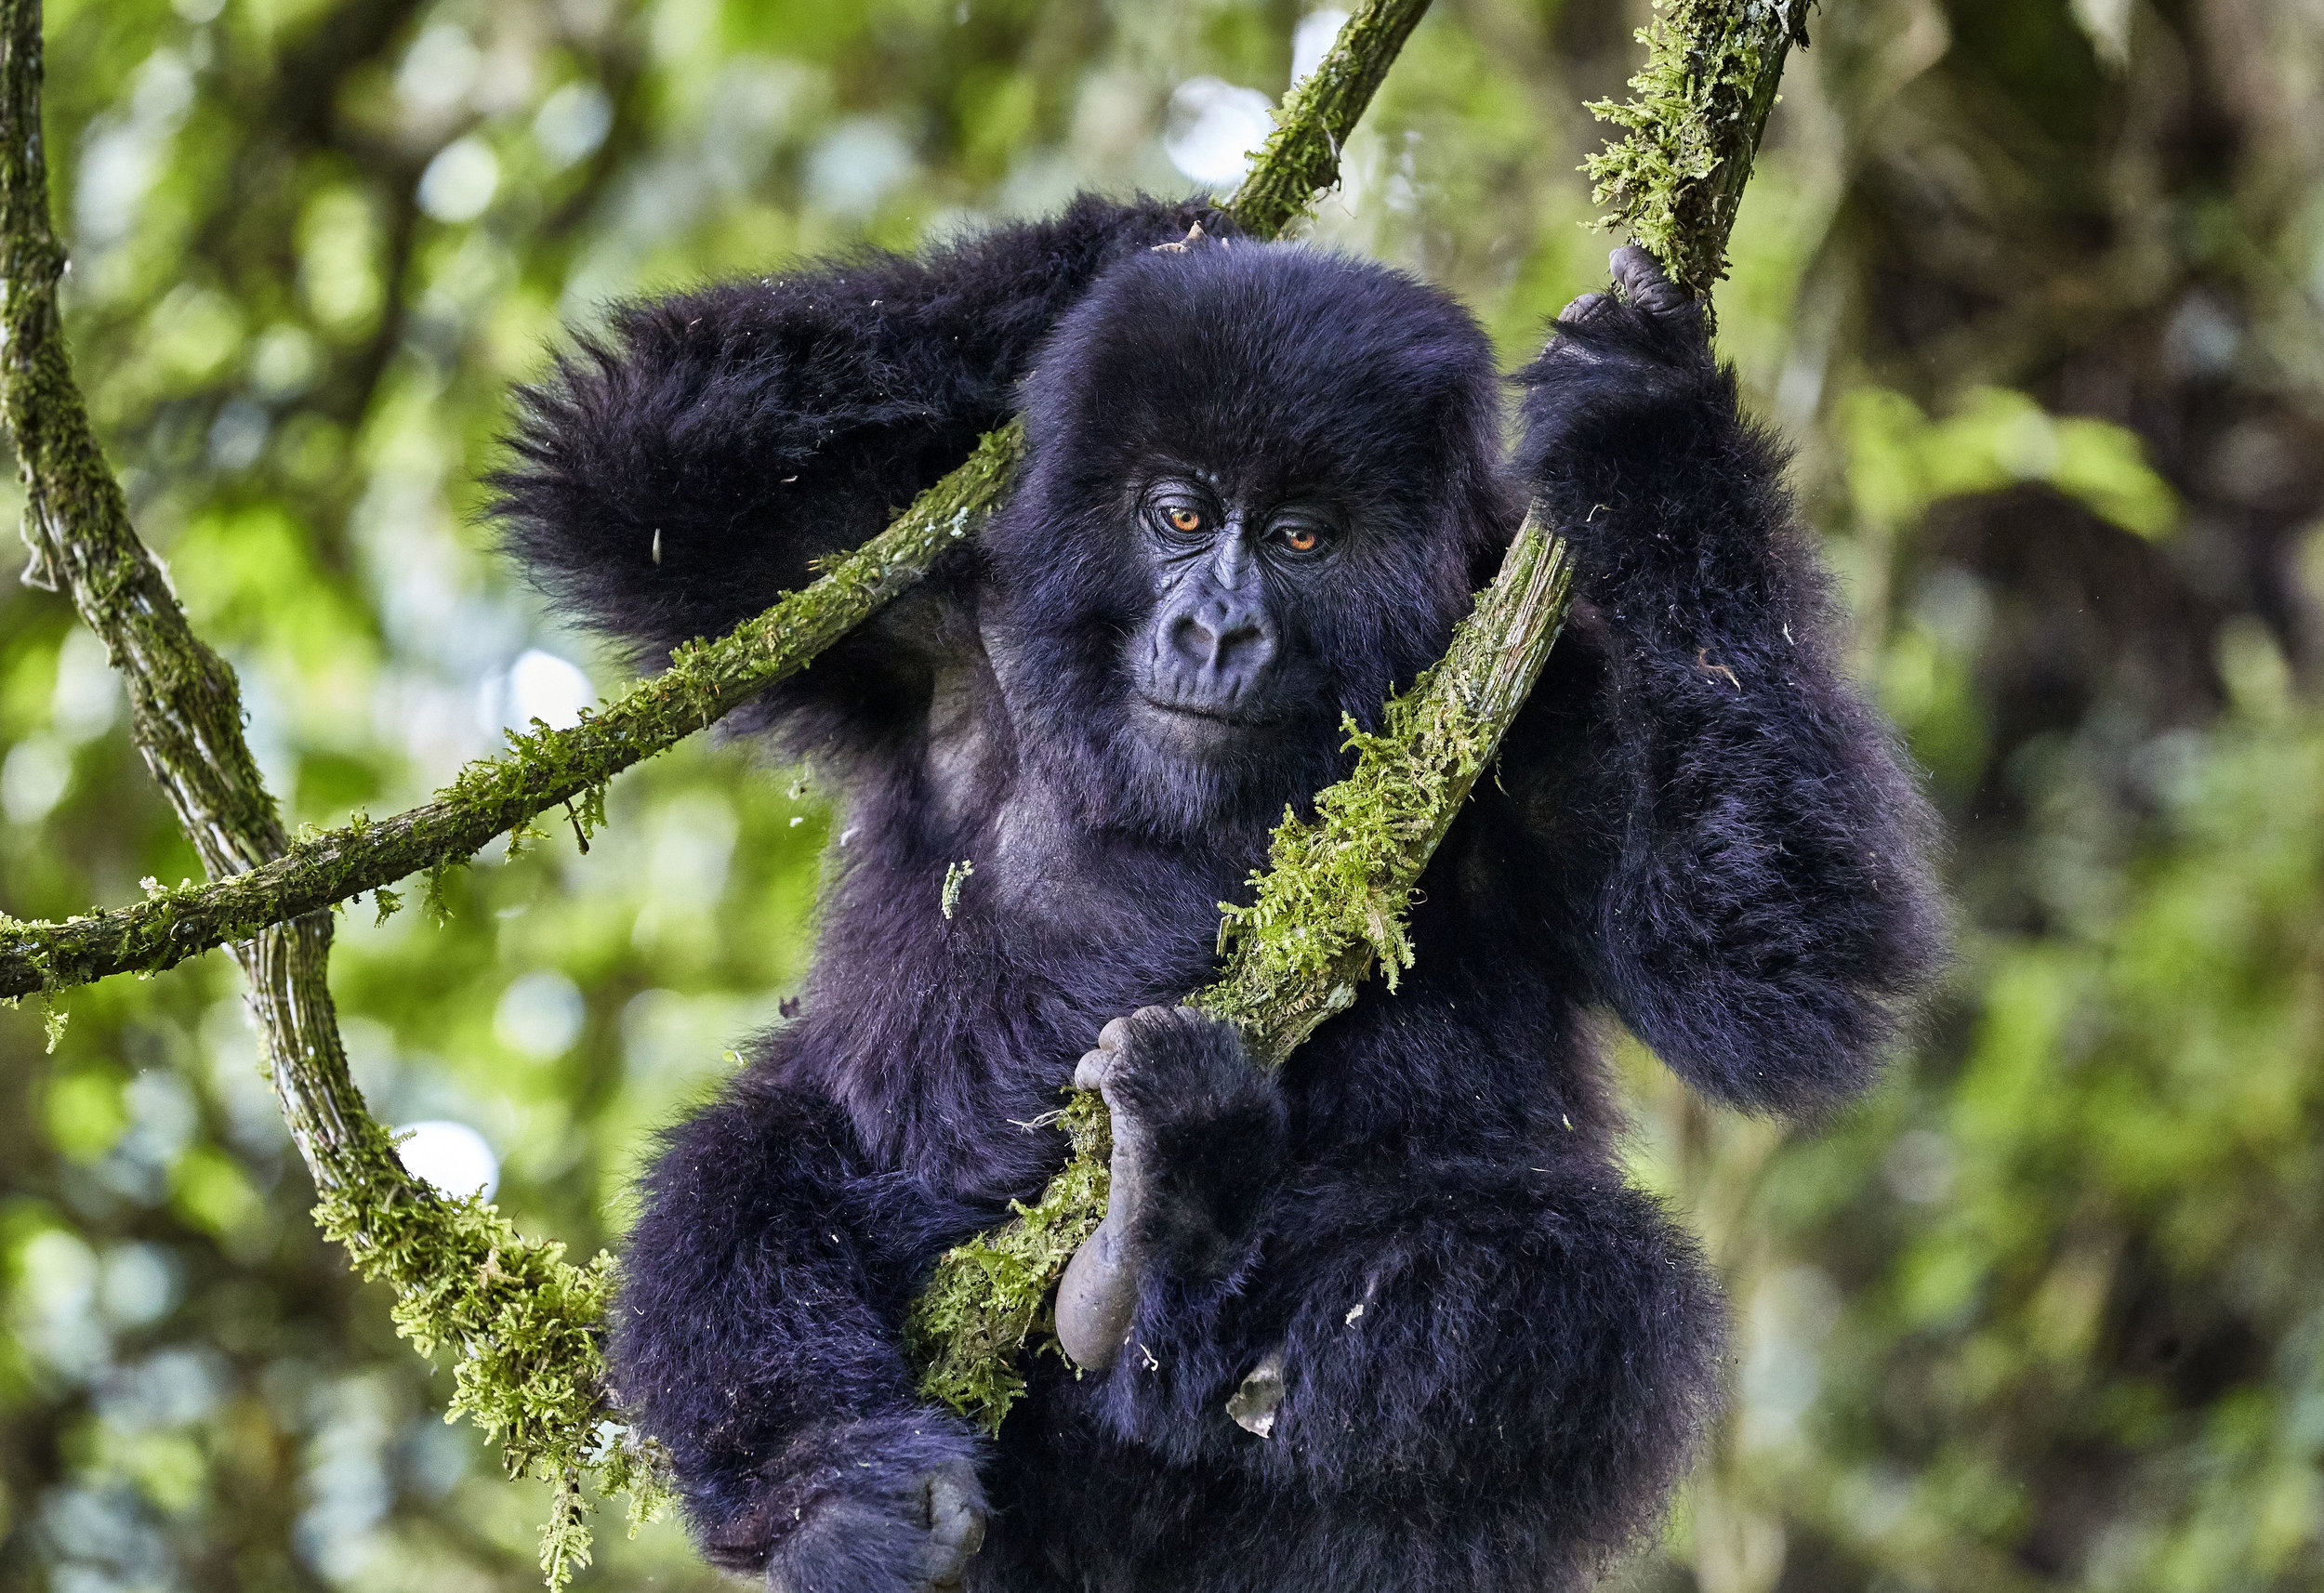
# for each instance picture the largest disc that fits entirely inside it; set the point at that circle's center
(914, 1535)
(1197, 1134)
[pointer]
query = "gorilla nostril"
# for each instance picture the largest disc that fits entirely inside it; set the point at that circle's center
(1246, 646)
(1194, 641)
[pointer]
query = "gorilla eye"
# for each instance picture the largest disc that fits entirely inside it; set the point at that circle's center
(1186, 520)
(1300, 534)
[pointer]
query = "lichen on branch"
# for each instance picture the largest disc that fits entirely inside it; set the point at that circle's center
(1692, 129)
(1329, 910)
(521, 1323)
(1301, 159)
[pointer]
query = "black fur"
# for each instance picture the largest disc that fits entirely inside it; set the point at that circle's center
(1496, 1356)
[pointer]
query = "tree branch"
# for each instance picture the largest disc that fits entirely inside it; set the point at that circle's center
(1676, 176)
(1328, 911)
(521, 1321)
(544, 767)
(493, 796)
(185, 707)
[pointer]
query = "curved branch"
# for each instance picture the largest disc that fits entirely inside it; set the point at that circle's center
(1327, 912)
(185, 706)
(521, 1319)
(548, 767)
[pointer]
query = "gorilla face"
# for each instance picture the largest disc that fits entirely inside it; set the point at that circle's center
(1211, 663)
(1263, 481)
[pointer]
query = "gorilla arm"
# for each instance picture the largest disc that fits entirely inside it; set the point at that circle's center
(755, 1334)
(679, 470)
(1745, 852)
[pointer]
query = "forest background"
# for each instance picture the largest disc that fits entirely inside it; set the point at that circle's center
(2032, 286)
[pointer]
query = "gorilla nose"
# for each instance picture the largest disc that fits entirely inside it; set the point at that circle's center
(1233, 644)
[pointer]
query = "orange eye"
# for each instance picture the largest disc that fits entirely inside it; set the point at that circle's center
(1299, 538)
(1186, 520)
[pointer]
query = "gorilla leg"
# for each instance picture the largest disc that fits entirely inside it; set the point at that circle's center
(1490, 1381)
(756, 1335)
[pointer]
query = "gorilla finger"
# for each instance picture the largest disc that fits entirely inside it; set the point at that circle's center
(1095, 1066)
(956, 1523)
(1640, 277)
(1110, 1037)
(1149, 1022)
(1585, 306)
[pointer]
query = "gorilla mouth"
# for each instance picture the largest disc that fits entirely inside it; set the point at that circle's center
(1228, 718)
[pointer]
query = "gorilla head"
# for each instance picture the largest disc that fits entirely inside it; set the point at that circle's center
(1263, 479)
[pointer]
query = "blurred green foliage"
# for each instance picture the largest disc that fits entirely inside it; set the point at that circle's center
(2032, 286)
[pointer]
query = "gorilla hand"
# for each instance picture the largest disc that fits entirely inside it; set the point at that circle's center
(1198, 1137)
(846, 1527)
(1627, 386)
(1639, 284)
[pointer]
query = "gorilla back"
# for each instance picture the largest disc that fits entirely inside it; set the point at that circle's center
(1263, 482)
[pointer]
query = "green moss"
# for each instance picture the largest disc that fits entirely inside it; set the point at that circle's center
(955, 880)
(1692, 129)
(521, 1326)
(990, 1295)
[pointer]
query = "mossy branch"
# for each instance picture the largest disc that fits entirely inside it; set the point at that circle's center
(545, 768)
(1299, 161)
(1329, 910)
(1326, 913)
(1675, 178)
(520, 1319)
(521, 1323)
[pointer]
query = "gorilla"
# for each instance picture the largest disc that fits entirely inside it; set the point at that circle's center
(1264, 480)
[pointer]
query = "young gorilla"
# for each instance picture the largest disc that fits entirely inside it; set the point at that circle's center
(1264, 482)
